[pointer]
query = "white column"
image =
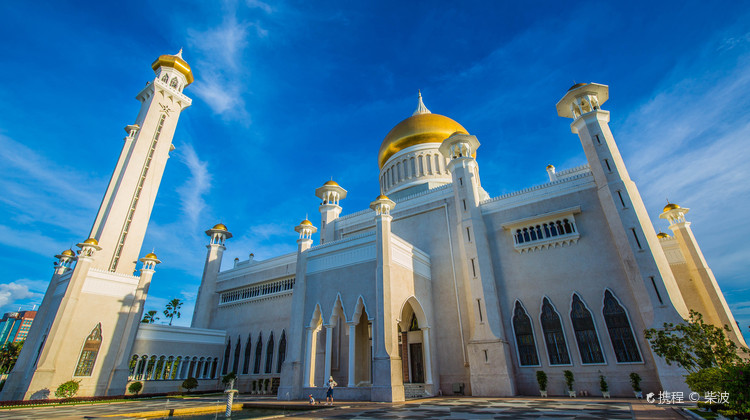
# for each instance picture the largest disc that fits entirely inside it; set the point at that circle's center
(352, 343)
(329, 346)
(178, 375)
(309, 359)
(427, 355)
(137, 368)
(161, 372)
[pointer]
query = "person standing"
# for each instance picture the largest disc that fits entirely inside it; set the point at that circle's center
(329, 392)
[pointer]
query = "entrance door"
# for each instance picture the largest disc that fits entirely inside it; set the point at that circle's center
(416, 361)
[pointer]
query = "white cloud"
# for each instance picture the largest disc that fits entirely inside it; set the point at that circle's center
(192, 190)
(13, 292)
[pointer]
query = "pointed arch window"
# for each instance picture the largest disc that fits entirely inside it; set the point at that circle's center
(173, 83)
(227, 351)
(165, 79)
(282, 352)
(586, 337)
(557, 350)
(269, 354)
(237, 349)
(248, 353)
(524, 337)
(90, 350)
(258, 353)
(620, 333)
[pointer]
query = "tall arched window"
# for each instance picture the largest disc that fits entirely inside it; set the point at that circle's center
(248, 352)
(90, 350)
(583, 325)
(258, 353)
(282, 352)
(623, 342)
(227, 351)
(173, 83)
(269, 354)
(165, 79)
(236, 364)
(524, 337)
(553, 335)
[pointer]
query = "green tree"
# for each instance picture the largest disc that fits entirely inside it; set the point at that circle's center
(67, 389)
(228, 378)
(712, 360)
(190, 384)
(694, 345)
(150, 317)
(8, 355)
(135, 387)
(173, 309)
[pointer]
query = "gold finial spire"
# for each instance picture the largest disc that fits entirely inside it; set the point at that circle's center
(421, 109)
(179, 53)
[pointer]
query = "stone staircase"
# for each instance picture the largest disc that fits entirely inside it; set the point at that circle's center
(413, 391)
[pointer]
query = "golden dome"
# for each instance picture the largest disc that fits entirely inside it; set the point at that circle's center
(550, 167)
(671, 206)
(382, 197)
(332, 182)
(306, 223)
(417, 129)
(219, 226)
(662, 235)
(91, 241)
(576, 86)
(151, 255)
(176, 62)
(68, 253)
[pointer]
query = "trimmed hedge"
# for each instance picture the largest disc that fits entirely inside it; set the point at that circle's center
(30, 403)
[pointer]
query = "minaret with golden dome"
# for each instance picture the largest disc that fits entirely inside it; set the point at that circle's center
(330, 194)
(409, 158)
(695, 278)
(120, 224)
(207, 299)
(96, 294)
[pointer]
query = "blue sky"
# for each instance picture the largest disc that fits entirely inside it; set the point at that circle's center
(290, 94)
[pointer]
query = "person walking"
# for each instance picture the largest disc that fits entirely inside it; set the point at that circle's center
(329, 392)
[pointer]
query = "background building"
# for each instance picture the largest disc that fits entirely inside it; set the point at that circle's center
(14, 326)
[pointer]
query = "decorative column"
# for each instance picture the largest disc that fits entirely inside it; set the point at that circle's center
(427, 356)
(329, 348)
(208, 299)
(352, 353)
(330, 194)
(309, 380)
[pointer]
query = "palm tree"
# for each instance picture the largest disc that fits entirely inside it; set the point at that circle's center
(150, 317)
(8, 355)
(173, 309)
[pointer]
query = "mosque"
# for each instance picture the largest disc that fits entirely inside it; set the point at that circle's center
(438, 288)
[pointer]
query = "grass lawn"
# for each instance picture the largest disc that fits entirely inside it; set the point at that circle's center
(704, 414)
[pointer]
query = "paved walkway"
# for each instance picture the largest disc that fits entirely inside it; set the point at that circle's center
(439, 408)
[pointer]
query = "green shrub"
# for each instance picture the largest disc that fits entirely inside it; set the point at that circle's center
(541, 379)
(635, 381)
(603, 386)
(135, 387)
(569, 379)
(190, 384)
(67, 389)
(228, 378)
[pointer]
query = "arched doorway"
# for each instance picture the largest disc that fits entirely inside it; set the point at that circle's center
(414, 344)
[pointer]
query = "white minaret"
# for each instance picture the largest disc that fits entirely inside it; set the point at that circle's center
(700, 289)
(121, 222)
(488, 352)
(87, 322)
(644, 262)
(208, 300)
(330, 194)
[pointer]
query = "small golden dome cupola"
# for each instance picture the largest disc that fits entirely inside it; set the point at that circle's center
(149, 261)
(173, 71)
(88, 248)
(382, 205)
(662, 235)
(551, 173)
(305, 229)
(329, 194)
(582, 98)
(674, 214)
(218, 234)
(65, 258)
(408, 156)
